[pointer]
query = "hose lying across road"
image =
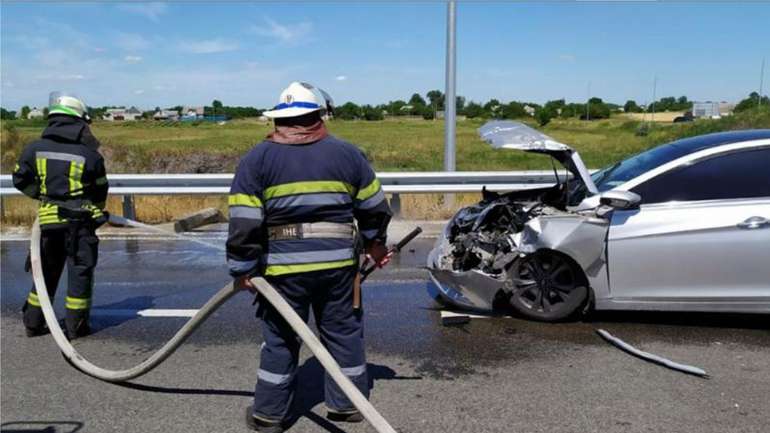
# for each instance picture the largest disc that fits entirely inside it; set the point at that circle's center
(265, 289)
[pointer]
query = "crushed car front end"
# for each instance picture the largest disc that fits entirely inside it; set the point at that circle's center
(523, 249)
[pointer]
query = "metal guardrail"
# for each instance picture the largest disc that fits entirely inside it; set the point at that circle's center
(129, 185)
(392, 182)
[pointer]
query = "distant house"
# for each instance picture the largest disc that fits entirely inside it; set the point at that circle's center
(122, 114)
(133, 113)
(171, 115)
(726, 108)
(706, 110)
(35, 113)
(192, 113)
(530, 110)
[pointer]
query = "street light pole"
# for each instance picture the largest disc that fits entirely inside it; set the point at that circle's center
(450, 104)
(761, 82)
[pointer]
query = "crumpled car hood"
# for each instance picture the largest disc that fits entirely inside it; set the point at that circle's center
(507, 134)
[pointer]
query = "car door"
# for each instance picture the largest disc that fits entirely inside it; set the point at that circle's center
(702, 233)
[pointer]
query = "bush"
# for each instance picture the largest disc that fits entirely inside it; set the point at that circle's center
(544, 116)
(372, 113)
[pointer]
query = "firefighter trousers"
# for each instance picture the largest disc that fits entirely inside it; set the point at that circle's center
(330, 295)
(79, 250)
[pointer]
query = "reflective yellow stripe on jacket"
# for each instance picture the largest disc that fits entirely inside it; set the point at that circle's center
(75, 177)
(41, 173)
(307, 187)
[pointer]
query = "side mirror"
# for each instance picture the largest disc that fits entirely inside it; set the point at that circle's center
(620, 199)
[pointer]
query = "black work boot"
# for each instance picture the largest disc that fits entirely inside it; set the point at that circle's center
(34, 322)
(351, 417)
(77, 330)
(261, 425)
(36, 332)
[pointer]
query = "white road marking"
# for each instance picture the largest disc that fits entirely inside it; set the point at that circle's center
(151, 312)
(453, 314)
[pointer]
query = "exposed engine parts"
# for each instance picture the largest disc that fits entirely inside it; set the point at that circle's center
(481, 236)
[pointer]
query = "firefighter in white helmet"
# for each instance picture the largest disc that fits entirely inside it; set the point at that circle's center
(299, 203)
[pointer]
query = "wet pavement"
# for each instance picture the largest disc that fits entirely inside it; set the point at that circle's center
(498, 374)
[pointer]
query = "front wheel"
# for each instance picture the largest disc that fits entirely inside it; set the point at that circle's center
(547, 286)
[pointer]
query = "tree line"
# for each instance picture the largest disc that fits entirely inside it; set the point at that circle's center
(432, 105)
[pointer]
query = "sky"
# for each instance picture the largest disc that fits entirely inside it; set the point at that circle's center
(244, 53)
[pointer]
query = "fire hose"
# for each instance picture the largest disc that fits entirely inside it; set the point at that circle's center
(264, 288)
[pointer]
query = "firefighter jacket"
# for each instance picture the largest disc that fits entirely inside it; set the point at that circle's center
(63, 168)
(279, 185)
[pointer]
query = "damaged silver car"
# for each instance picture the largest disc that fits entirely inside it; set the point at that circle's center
(682, 226)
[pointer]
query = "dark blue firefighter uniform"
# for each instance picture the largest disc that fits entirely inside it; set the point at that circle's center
(283, 200)
(65, 172)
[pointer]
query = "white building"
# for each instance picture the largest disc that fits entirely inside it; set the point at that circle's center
(172, 115)
(529, 110)
(707, 110)
(122, 114)
(35, 113)
(192, 112)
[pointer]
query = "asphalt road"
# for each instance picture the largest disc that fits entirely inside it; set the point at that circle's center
(490, 375)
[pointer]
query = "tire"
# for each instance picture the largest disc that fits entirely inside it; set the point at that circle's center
(547, 286)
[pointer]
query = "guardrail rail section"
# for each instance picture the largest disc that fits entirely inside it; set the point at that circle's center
(394, 183)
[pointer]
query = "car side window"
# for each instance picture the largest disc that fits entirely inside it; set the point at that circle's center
(739, 174)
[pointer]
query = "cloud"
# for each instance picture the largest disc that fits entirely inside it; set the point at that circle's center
(208, 46)
(131, 41)
(132, 59)
(151, 11)
(284, 33)
(70, 77)
(341, 77)
(138, 91)
(567, 57)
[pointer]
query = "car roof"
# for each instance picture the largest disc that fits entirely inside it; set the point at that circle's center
(686, 146)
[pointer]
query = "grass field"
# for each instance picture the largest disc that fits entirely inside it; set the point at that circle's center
(391, 145)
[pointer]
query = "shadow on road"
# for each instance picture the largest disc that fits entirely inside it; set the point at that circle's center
(309, 394)
(103, 321)
(41, 427)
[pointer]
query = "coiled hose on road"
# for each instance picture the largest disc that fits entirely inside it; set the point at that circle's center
(265, 289)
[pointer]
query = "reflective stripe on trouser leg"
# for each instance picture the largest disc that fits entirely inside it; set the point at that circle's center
(80, 272)
(53, 254)
(276, 377)
(342, 333)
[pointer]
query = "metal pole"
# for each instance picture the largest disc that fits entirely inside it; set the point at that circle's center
(450, 104)
(129, 210)
(588, 101)
(761, 82)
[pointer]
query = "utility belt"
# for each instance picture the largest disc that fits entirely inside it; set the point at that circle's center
(76, 213)
(74, 210)
(317, 230)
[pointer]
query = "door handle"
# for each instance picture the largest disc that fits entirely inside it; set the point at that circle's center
(755, 222)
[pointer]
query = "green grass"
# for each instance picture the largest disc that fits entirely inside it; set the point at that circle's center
(391, 145)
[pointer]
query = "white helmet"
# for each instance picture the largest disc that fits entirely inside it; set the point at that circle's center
(71, 105)
(300, 98)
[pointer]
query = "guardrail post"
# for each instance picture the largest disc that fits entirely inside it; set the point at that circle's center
(129, 210)
(395, 205)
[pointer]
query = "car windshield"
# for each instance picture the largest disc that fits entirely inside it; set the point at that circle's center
(629, 168)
